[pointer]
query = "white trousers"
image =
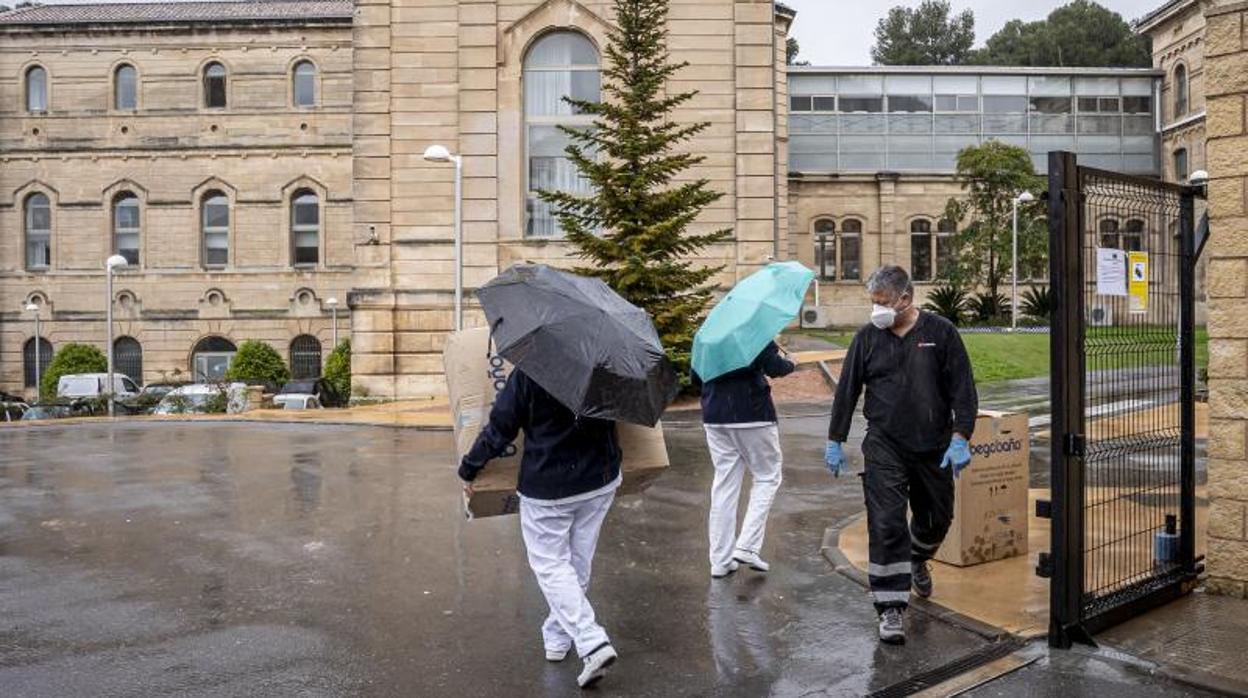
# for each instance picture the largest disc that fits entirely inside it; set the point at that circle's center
(561, 539)
(732, 451)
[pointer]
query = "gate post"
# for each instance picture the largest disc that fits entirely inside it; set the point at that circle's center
(1066, 337)
(1187, 362)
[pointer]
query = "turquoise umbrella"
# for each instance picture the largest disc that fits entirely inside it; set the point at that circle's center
(749, 317)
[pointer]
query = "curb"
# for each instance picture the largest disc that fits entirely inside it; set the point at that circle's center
(74, 421)
(831, 552)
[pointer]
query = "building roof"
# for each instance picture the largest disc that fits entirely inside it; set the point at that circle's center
(1158, 15)
(971, 70)
(181, 12)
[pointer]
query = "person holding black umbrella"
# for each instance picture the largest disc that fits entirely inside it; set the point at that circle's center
(583, 358)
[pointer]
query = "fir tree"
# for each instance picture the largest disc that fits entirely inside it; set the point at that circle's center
(633, 228)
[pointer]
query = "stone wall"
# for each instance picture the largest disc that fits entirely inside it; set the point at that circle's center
(1226, 88)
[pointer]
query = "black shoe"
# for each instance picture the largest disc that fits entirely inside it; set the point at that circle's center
(892, 626)
(921, 576)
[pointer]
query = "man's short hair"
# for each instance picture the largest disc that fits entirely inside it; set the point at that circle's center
(890, 279)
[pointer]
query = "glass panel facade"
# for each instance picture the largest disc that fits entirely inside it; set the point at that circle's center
(904, 122)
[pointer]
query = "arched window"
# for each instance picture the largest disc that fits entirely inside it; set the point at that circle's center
(1180, 165)
(850, 250)
(38, 232)
(1108, 230)
(128, 358)
(126, 227)
(945, 232)
(214, 86)
(215, 227)
(921, 250)
(559, 64)
(303, 84)
(305, 228)
(211, 358)
(30, 370)
(825, 248)
(305, 357)
(125, 88)
(1180, 91)
(36, 90)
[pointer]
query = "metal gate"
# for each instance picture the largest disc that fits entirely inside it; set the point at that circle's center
(1123, 508)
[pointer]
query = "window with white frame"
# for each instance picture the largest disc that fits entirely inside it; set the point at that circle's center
(305, 228)
(215, 229)
(304, 84)
(126, 227)
(38, 232)
(558, 65)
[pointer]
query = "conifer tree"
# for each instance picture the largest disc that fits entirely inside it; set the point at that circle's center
(633, 229)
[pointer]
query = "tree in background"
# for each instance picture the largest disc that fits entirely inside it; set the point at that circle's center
(993, 174)
(338, 369)
(69, 360)
(791, 51)
(257, 363)
(926, 35)
(633, 228)
(1081, 34)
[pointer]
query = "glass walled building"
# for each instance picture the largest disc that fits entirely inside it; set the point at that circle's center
(906, 119)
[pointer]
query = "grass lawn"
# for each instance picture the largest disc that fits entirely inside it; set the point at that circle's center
(999, 357)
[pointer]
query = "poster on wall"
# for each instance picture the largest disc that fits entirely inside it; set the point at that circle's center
(1138, 271)
(1111, 272)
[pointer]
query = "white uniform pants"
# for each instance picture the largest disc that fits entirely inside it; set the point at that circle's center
(732, 451)
(561, 539)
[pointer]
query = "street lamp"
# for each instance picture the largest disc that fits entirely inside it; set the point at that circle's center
(1023, 198)
(114, 262)
(333, 310)
(33, 307)
(439, 153)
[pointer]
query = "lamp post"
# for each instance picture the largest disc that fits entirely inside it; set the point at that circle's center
(439, 153)
(114, 262)
(1023, 198)
(34, 308)
(333, 311)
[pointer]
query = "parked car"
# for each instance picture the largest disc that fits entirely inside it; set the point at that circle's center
(197, 398)
(57, 410)
(319, 387)
(297, 401)
(90, 385)
(150, 397)
(12, 410)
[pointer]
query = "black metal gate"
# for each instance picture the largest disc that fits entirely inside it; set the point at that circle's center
(1123, 397)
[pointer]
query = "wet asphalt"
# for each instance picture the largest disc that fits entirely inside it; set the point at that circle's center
(243, 559)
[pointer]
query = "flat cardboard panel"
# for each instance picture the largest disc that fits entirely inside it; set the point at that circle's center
(990, 505)
(473, 379)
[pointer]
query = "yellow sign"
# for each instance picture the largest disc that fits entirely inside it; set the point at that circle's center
(1137, 279)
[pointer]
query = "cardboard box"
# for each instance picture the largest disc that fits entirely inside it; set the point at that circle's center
(473, 378)
(990, 506)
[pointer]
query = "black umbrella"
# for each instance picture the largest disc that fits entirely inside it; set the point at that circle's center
(592, 350)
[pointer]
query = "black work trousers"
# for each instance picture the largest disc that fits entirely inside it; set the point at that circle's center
(895, 478)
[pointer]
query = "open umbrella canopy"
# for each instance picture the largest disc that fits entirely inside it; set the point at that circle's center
(585, 345)
(749, 317)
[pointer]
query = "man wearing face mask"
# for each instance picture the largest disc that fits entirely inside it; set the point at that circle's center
(920, 408)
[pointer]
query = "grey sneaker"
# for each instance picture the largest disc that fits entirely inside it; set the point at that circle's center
(892, 627)
(921, 576)
(596, 664)
(754, 562)
(721, 572)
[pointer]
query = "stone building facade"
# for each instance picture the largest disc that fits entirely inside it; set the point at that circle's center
(1226, 96)
(483, 78)
(210, 143)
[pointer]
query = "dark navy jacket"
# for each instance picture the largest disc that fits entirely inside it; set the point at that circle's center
(563, 456)
(743, 396)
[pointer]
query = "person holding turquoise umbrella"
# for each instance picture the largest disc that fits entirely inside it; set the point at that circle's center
(733, 356)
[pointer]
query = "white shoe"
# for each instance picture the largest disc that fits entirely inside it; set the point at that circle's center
(556, 655)
(721, 572)
(596, 664)
(755, 562)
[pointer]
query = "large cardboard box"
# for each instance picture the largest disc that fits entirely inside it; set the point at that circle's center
(474, 375)
(990, 506)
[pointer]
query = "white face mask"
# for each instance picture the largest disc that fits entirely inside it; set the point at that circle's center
(883, 316)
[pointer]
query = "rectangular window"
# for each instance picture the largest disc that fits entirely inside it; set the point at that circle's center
(825, 104)
(799, 103)
(851, 257)
(38, 250)
(1050, 105)
(1180, 164)
(868, 105)
(909, 103)
(1137, 105)
(1005, 104)
(306, 229)
(921, 256)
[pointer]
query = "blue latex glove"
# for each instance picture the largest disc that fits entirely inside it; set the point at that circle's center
(834, 457)
(958, 455)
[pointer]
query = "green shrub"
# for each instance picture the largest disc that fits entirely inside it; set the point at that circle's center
(257, 363)
(947, 301)
(338, 369)
(1037, 303)
(71, 359)
(988, 308)
(219, 401)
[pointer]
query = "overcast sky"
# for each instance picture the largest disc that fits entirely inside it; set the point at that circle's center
(841, 32)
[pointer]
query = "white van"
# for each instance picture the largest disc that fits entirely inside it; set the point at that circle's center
(89, 385)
